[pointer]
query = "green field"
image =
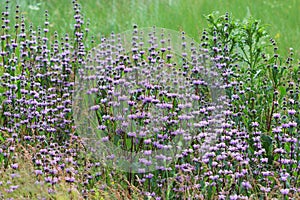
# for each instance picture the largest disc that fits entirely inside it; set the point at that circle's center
(281, 17)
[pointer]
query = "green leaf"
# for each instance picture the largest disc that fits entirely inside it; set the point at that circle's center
(266, 141)
(1, 139)
(257, 73)
(282, 91)
(19, 89)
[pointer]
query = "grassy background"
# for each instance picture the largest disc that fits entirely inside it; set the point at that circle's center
(119, 15)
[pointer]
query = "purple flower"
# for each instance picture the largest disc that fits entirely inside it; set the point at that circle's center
(284, 191)
(234, 197)
(264, 160)
(131, 134)
(255, 124)
(246, 185)
(70, 179)
(14, 187)
(264, 189)
(276, 115)
(292, 124)
(15, 166)
(292, 112)
(105, 139)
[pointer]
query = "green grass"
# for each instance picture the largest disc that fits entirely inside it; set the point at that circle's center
(119, 15)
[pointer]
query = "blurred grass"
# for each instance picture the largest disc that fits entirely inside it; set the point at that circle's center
(119, 15)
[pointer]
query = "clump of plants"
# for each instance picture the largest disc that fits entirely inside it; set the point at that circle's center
(219, 121)
(37, 77)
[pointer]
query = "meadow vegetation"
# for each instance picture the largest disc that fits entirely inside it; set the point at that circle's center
(52, 49)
